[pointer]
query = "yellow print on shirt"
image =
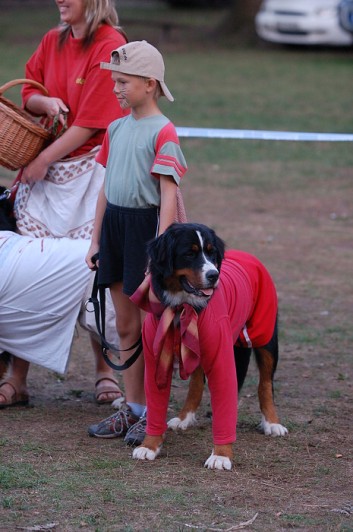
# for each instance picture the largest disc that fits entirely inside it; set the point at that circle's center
(80, 81)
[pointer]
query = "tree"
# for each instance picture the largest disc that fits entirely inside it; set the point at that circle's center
(240, 17)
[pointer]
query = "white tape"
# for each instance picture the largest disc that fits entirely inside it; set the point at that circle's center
(251, 134)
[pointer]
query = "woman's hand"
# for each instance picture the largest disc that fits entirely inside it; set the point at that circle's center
(46, 105)
(35, 171)
(56, 107)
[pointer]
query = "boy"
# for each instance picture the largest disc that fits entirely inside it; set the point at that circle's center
(144, 166)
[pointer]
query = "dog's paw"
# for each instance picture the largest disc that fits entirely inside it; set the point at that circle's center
(218, 462)
(176, 423)
(143, 453)
(272, 429)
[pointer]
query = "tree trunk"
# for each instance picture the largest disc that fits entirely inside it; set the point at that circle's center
(240, 17)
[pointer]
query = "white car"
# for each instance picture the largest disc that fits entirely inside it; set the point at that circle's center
(316, 22)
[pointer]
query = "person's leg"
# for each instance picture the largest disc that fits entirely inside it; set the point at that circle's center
(107, 388)
(13, 387)
(129, 330)
(129, 323)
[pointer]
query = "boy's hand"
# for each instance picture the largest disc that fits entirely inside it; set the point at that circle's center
(92, 259)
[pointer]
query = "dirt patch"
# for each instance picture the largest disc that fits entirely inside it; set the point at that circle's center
(51, 472)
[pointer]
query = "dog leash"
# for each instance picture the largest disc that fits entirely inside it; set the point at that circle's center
(99, 313)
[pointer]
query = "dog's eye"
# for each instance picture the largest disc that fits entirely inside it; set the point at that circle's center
(190, 254)
(211, 253)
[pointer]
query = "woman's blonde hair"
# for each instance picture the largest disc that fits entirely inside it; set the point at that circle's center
(97, 12)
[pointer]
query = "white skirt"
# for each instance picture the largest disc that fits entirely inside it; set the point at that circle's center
(42, 285)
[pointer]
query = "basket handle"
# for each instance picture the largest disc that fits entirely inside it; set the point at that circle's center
(15, 82)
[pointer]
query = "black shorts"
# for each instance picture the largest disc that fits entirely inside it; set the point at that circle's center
(122, 251)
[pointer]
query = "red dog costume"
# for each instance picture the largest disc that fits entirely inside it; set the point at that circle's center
(242, 311)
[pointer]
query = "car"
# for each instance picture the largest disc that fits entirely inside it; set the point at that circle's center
(306, 22)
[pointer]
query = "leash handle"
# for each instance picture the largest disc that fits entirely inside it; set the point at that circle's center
(99, 313)
(128, 362)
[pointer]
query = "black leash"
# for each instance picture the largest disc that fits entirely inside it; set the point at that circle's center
(99, 313)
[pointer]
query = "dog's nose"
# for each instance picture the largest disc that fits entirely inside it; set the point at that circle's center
(212, 276)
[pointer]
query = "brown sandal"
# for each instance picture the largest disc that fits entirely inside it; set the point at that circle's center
(104, 388)
(16, 398)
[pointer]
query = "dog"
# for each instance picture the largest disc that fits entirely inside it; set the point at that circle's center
(210, 308)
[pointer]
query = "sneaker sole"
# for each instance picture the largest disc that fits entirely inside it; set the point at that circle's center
(132, 443)
(105, 436)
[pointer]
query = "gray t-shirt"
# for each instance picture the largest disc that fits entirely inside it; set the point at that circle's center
(135, 153)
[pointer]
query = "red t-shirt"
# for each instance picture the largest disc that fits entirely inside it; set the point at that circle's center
(73, 74)
(241, 311)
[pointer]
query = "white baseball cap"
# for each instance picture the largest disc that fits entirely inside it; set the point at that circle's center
(139, 58)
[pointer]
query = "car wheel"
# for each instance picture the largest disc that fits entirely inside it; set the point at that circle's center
(345, 14)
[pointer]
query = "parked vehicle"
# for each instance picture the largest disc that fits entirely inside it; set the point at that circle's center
(306, 22)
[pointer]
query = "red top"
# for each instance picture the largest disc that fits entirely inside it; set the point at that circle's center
(73, 74)
(241, 311)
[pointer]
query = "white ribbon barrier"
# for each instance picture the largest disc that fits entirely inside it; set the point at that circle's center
(199, 132)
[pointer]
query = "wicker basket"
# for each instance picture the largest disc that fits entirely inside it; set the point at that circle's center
(21, 137)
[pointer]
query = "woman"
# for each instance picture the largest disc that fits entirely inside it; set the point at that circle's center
(58, 189)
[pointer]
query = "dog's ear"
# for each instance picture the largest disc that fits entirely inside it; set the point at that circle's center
(160, 254)
(220, 248)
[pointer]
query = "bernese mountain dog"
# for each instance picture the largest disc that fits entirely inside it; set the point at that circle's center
(208, 309)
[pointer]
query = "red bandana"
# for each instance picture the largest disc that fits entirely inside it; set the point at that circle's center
(176, 336)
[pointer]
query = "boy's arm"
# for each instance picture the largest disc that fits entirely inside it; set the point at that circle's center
(168, 202)
(96, 234)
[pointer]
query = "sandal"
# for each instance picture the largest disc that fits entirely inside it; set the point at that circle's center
(17, 397)
(104, 388)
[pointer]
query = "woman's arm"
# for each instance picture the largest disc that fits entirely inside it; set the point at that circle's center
(73, 138)
(168, 202)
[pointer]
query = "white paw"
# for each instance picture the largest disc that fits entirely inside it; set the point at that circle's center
(272, 429)
(143, 453)
(218, 462)
(176, 423)
(118, 402)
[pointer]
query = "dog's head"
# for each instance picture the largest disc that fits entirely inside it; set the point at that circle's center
(185, 263)
(7, 220)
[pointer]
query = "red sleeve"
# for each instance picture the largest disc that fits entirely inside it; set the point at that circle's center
(35, 67)
(102, 155)
(167, 134)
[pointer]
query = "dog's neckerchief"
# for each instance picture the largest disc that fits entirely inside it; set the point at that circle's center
(177, 334)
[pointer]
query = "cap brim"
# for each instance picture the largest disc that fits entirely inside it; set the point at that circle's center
(110, 66)
(166, 91)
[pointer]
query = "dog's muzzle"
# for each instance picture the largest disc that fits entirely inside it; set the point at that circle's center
(212, 277)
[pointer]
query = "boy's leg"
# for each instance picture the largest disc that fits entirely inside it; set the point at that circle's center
(129, 323)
